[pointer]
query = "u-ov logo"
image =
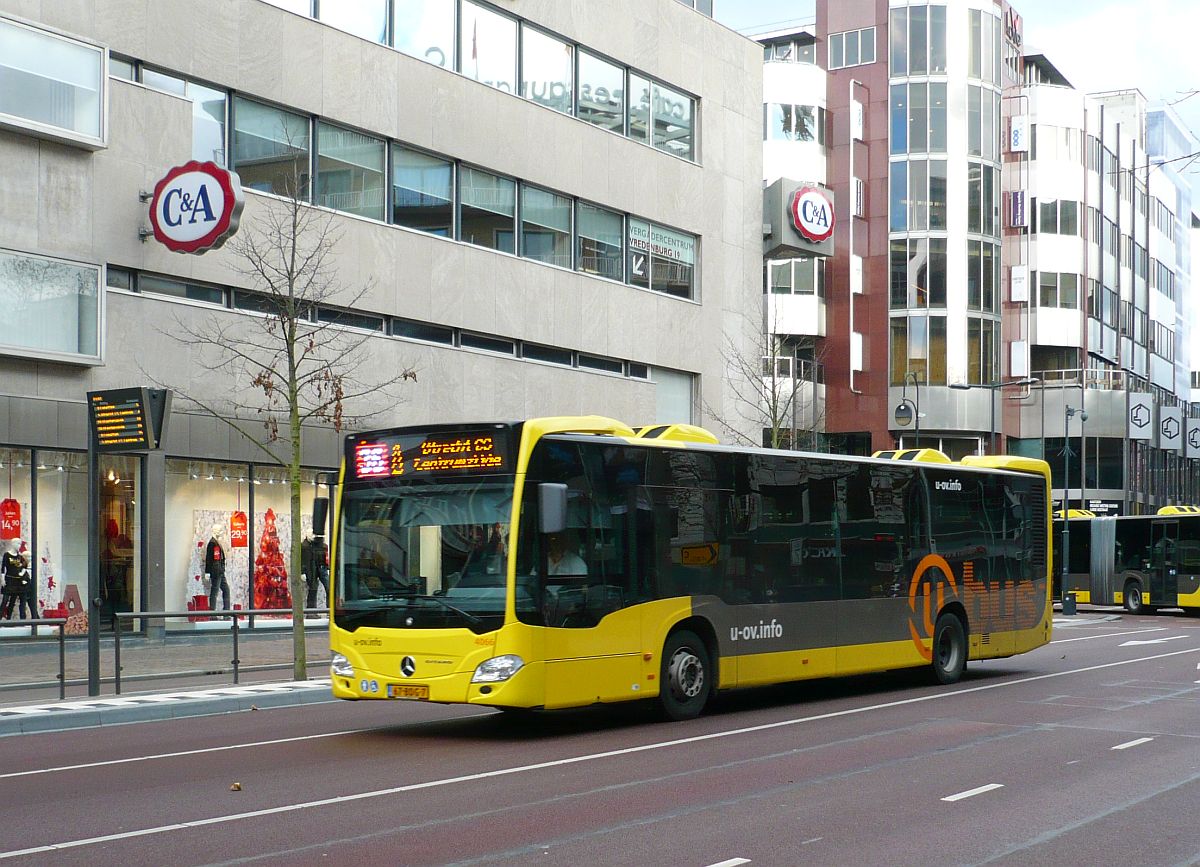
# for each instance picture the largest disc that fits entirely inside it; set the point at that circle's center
(926, 597)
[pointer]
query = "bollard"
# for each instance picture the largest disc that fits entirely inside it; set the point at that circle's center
(1068, 605)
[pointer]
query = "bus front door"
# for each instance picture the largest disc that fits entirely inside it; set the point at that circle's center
(1164, 590)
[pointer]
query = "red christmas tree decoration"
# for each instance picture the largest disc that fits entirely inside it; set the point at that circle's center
(270, 572)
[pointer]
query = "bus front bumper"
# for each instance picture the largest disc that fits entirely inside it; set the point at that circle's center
(526, 688)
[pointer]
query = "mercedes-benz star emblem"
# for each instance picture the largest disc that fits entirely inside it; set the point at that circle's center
(408, 665)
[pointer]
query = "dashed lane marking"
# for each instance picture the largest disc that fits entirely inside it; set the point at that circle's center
(159, 698)
(1136, 743)
(971, 793)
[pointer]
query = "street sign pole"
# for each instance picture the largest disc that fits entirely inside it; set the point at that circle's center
(92, 606)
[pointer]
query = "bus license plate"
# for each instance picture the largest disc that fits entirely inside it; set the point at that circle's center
(404, 690)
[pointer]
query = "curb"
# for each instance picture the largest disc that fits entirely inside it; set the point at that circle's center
(146, 707)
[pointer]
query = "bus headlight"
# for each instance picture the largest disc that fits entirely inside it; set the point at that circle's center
(497, 669)
(341, 666)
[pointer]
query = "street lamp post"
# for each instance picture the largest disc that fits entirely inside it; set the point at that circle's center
(992, 388)
(908, 410)
(1066, 546)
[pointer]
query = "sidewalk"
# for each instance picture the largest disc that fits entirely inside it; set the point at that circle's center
(179, 674)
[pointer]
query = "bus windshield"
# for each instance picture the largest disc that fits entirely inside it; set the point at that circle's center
(424, 556)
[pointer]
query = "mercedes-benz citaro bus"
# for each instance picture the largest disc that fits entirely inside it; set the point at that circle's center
(562, 562)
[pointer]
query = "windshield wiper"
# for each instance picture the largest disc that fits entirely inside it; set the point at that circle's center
(470, 618)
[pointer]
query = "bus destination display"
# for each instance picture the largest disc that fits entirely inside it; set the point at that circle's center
(432, 454)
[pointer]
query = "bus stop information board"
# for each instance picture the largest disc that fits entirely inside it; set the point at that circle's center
(126, 419)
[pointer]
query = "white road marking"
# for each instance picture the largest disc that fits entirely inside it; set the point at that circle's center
(732, 862)
(1112, 635)
(1136, 643)
(1129, 744)
(588, 757)
(971, 793)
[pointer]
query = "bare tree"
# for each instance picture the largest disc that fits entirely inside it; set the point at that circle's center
(773, 392)
(297, 363)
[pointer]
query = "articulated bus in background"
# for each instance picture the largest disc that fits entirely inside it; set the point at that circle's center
(1143, 562)
(561, 562)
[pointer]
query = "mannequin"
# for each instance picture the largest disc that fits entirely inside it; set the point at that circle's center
(15, 570)
(214, 567)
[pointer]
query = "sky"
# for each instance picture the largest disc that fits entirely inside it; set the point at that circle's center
(1098, 44)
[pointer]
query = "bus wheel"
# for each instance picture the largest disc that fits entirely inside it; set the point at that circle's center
(949, 649)
(1133, 598)
(686, 676)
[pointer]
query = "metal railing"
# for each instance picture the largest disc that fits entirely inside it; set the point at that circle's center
(235, 630)
(59, 623)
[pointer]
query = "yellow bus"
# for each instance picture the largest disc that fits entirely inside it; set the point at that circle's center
(569, 561)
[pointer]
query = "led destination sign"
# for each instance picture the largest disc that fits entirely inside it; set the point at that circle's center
(408, 455)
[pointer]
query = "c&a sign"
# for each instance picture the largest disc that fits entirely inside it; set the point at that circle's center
(812, 213)
(196, 207)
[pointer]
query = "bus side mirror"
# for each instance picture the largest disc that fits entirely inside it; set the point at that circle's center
(320, 516)
(552, 507)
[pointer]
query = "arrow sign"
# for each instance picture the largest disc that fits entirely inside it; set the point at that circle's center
(1151, 641)
(639, 265)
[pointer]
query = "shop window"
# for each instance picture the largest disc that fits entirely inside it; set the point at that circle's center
(270, 149)
(16, 527)
(205, 502)
(51, 85)
(51, 307)
(425, 29)
(62, 525)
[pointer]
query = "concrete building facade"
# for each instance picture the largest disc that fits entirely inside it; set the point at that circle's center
(541, 208)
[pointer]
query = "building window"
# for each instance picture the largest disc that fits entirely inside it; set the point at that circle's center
(852, 48)
(51, 85)
(918, 273)
(794, 123)
(425, 29)
(661, 259)
(919, 347)
(982, 346)
(546, 69)
(422, 192)
(672, 121)
(487, 212)
(1058, 290)
(545, 226)
(423, 331)
(802, 276)
(363, 18)
(350, 171)
(50, 307)
(487, 47)
(599, 232)
(270, 148)
(180, 289)
(208, 112)
(898, 197)
(601, 93)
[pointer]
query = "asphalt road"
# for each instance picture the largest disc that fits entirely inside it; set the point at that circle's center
(1084, 752)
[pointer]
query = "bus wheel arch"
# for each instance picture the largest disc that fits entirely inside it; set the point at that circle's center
(949, 647)
(1132, 598)
(687, 669)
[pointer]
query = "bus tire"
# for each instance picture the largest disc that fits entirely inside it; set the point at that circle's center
(686, 676)
(949, 649)
(1133, 599)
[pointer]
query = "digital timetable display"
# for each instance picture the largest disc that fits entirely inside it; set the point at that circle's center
(398, 456)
